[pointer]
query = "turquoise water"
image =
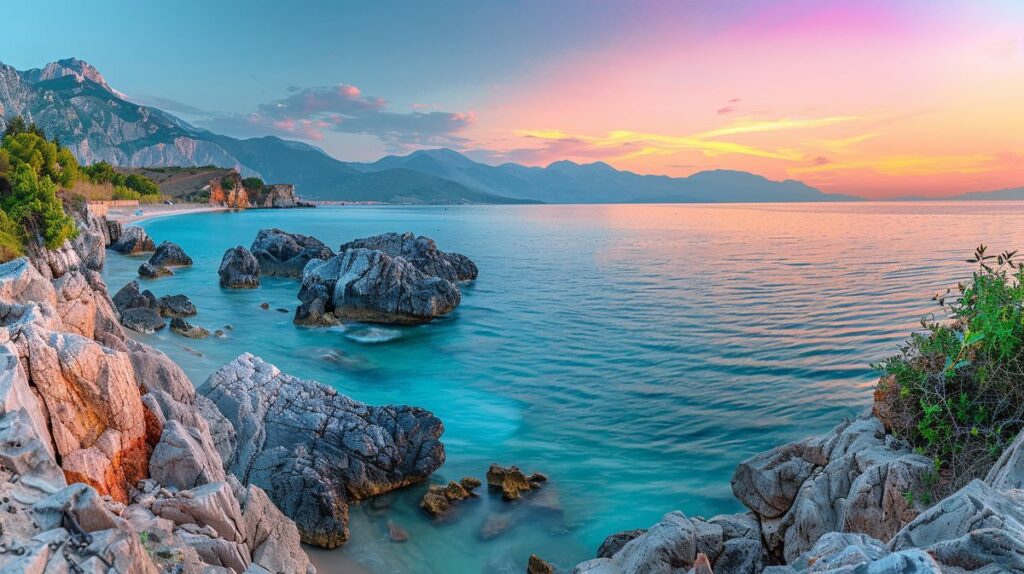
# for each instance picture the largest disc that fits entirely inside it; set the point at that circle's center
(634, 354)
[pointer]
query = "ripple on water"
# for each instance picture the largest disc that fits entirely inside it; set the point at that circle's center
(634, 354)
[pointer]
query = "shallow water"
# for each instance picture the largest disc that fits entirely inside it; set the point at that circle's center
(633, 353)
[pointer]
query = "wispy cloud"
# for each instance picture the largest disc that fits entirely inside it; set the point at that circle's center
(309, 113)
(907, 165)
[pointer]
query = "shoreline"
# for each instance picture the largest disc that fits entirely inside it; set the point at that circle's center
(126, 215)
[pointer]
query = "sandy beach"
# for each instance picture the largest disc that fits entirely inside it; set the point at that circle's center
(127, 215)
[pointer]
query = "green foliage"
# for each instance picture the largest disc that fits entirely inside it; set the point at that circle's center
(956, 390)
(142, 184)
(228, 181)
(18, 125)
(122, 192)
(33, 204)
(252, 184)
(10, 238)
(103, 172)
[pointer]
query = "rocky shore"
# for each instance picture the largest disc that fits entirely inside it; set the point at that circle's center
(111, 461)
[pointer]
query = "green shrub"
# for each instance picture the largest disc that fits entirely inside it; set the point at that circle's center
(122, 192)
(103, 172)
(955, 391)
(228, 182)
(252, 184)
(142, 184)
(33, 204)
(10, 238)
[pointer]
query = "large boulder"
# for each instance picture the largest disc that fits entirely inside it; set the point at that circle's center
(283, 254)
(169, 254)
(239, 269)
(312, 449)
(422, 252)
(133, 241)
(372, 286)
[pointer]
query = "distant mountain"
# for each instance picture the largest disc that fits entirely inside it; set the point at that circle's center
(72, 101)
(570, 182)
(1010, 194)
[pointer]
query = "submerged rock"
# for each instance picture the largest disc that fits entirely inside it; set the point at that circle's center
(511, 481)
(313, 449)
(133, 241)
(239, 269)
(371, 286)
(186, 329)
(537, 565)
(283, 254)
(438, 498)
(422, 252)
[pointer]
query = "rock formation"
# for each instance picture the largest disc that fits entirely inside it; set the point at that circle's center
(186, 329)
(239, 269)
(110, 461)
(283, 254)
(313, 449)
(166, 255)
(372, 286)
(511, 481)
(422, 252)
(439, 498)
(230, 192)
(133, 241)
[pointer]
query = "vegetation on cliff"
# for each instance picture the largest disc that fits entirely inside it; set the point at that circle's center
(956, 390)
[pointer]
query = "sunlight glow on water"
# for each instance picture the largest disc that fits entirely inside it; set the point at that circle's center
(633, 353)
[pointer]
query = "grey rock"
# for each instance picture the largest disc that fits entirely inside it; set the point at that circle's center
(976, 506)
(371, 286)
(177, 306)
(142, 320)
(1008, 471)
(667, 547)
(150, 271)
(312, 449)
(422, 252)
(133, 241)
(615, 542)
(239, 269)
(185, 458)
(272, 538)
(169, 254)
(186, 329)
(212, 505)
(283, 254)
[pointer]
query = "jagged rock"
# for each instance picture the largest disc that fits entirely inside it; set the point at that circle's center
(470, 483)
(212, 505)
(511, 481)
(169, 254)
(283, 254)
(176, 306)
(142, 320)
(422, 252)
(239, 269)
(20, 282)
(615, 542)
(113, 231)
(701, 565)
(130, 297)
(537, 565)
(272, 538)
(396, 533)
(666, 547)
(313, 449)
(150, 271)
(133, 241)
(371, 286)
(186, 329)
(438, 498)
(185, 458)
(1008, 471)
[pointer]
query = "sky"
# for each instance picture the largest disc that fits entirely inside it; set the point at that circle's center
(868, 97)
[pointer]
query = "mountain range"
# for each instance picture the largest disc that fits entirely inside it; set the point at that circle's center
(71, 100)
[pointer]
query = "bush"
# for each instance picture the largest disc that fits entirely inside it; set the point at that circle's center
(103, 172)
(955, 392)
(10, 238)
(122, 192)
(142, 184)
(252, 184)
(33, 204)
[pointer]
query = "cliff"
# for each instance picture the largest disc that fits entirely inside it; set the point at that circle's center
(232, 191)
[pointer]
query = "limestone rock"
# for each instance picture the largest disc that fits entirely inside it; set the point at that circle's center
(272, 538)
(438, 498)
(211, 504)
(511, 481)
(371, 286)
(422, 252)
(177, 306)
(142, 320)
(239, 269)
(283, 254)
(313, 449)
(1008, 471)
(133, 241)
(185, 458)
(615, 542)
(169, 254)
(150, 271)
(671, 545)
(537, 565)
(186, 329)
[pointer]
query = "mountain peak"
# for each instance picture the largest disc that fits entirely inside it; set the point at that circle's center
(79, 69)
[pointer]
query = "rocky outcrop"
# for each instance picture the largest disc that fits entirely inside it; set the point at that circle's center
(229, 191)
(166, 255)
(372, 286)
(133, 241)
(439, 498)
(422, 252)
(283, 254)
(239, 269)
(511, 481)
(186, 329)
(313, 449)
(89, 423)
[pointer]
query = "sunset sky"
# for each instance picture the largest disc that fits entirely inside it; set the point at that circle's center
(873, 98)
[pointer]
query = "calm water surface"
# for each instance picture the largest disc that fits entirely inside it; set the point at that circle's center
(634, 354)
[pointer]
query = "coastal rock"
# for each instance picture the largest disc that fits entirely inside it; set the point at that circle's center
(142, 320)
(131, 297)
(313, 449)
(668, 546)
(186, 329)
(537, 565)
(271, 537)
(511, 481)
(169, 254)
(185, 458)
(371, 286)
(213, 505)
(133, 241)
(1008, 471)
(239, 269)
(176, 306)
(149, 271)
(438, 498)
(422, 252)
(615, 542)
(283, 254)
(113, 233)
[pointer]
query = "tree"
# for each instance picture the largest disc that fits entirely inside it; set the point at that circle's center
(103, 172)
(252, 184)
(33, 204)
(142, 184)
(18, 125)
